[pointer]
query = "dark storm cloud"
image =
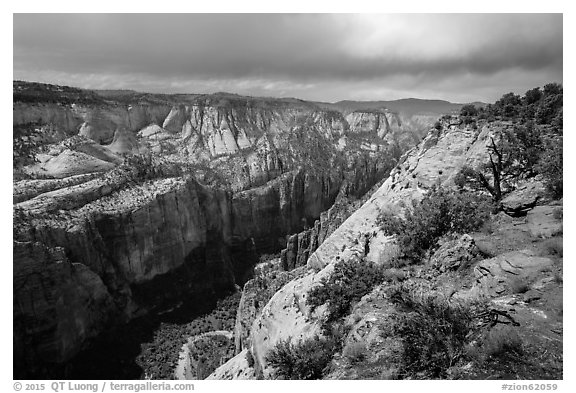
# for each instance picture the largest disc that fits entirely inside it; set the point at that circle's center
(280, 54)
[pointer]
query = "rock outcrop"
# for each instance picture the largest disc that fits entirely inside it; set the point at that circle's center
(63, 302)
(523, 199)
(300, 246)
(255, 294)
(455, 254)
(237, 368)
(502, 274)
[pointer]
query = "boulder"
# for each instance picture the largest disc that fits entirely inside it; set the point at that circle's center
(523, 199)
(454, 254)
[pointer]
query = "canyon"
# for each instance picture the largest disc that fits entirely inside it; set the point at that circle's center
(127, 204)
(510, 264)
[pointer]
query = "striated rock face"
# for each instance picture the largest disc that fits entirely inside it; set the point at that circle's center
(375, 123)
(97, 122)
(497, 276)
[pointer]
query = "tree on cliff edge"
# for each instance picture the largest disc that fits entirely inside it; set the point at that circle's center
(511, 155)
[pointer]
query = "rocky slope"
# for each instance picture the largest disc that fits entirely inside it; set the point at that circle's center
(516, 251)
(126, 203)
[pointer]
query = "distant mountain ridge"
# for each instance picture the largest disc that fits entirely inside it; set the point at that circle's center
(34, 91)
(407, 106)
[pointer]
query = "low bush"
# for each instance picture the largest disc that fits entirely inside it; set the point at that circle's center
(558, 278)
(250, 358)
(557, 213)
(434, 331)
(355, 351)
(441, 211)
(303, 360)
(350, 280)
(551, 166)
(500, 342)
(468, 110)
(554, 246)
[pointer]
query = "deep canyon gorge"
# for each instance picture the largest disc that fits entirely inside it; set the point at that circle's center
(127, 205)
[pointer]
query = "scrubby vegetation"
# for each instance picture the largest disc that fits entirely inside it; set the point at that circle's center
(501, 342)
(142, 167)
(350, 280)
(304, 360)
(441, 211)
(434, 331)
(34, 92)
(209, 352)
(531, 146)
(355, 351)
(26, 140)
(503, 353)
(550, 165)
(158, 357)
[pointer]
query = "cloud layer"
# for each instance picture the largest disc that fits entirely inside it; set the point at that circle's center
(460, 57)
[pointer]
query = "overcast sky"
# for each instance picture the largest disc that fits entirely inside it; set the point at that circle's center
(457, 57)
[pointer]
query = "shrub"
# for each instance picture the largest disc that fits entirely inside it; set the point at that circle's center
(439, 213)
(350, 280)
(554, 246)
(268, 257)
(551, 166)
(434, 331)
(557, 213)
(250, 358)
(304, 360)
(558, 278)
(355, 351)
(468, 110)
(500, 342)
(468, 120)
(438, 125)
